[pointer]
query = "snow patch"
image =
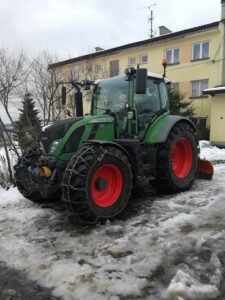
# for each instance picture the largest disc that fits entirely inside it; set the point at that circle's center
(185, 286)
(210, 152)
(10, 197)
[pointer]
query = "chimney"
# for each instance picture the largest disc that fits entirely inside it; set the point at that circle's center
(164, 30)
(97, 49)
(222, 9)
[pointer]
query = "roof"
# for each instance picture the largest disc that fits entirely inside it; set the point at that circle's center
(214, 91)
(136, 44)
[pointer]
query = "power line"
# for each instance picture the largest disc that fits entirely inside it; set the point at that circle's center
(192, 65)
(219, 47)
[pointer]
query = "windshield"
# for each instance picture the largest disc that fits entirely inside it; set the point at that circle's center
(110, 94)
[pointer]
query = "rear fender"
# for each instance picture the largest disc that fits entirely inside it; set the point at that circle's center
(159, 131)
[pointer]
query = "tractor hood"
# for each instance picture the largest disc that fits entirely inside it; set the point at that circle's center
(56, 131)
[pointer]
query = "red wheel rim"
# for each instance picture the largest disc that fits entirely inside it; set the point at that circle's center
(182, 157)
(106, 185)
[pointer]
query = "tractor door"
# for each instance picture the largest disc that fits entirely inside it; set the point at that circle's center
(148, 106)
(110, 96)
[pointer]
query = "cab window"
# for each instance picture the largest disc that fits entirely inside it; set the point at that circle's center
(150, 101)
(147, 106)
(163, 95)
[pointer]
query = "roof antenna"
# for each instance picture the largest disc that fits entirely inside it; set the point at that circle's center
(151, 18)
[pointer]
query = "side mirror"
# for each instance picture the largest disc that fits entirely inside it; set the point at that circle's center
(86, 84)
(87, 87)
(141, 81)
(63, 95)
(78, 101)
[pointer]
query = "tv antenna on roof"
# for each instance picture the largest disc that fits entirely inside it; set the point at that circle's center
(151, 18)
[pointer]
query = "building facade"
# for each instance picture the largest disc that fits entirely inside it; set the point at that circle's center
(217, 92)
(195, 63)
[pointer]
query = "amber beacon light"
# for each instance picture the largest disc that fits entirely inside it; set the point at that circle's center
(164, 64)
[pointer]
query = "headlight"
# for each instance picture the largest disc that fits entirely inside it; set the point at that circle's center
(53, 146)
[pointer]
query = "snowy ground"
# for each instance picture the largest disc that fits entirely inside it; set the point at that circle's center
(170, 247)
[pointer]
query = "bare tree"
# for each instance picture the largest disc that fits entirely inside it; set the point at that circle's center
(84, 70)
(48, 82)
(45, 85)
(13, 73)
(88, 70)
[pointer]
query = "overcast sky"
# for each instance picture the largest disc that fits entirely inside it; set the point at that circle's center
(70, 28)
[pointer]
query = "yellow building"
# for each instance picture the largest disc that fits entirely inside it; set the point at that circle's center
(195, 62)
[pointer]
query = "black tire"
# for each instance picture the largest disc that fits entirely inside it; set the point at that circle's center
(26, 182)
(28, 188)
(97, 183)
(177, 160)
(23, 178)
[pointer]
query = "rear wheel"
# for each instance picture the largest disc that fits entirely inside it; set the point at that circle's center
(97, 183)
(177, 160)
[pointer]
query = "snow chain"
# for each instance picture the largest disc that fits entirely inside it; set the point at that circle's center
(98, 154)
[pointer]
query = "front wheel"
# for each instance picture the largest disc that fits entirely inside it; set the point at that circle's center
(177, 160)
(97, 183)
(25, 182)
(27, 186)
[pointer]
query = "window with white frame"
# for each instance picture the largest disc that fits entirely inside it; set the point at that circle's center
(144, 58)
(172, 56)
(58, 75)
(114, 68)
(89, 68)
(197, 86)
(74, 74)
(200, 50)
(70, 100)
(175, 86)
(131, 60)
(98, 68)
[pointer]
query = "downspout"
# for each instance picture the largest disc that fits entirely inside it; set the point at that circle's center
(222, 28)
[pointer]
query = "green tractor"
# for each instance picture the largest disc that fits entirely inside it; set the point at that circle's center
(94, 161)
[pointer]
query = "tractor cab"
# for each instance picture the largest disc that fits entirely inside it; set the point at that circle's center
(134, 100)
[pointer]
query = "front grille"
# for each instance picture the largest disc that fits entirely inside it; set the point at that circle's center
(57, 131)
(73, 141)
